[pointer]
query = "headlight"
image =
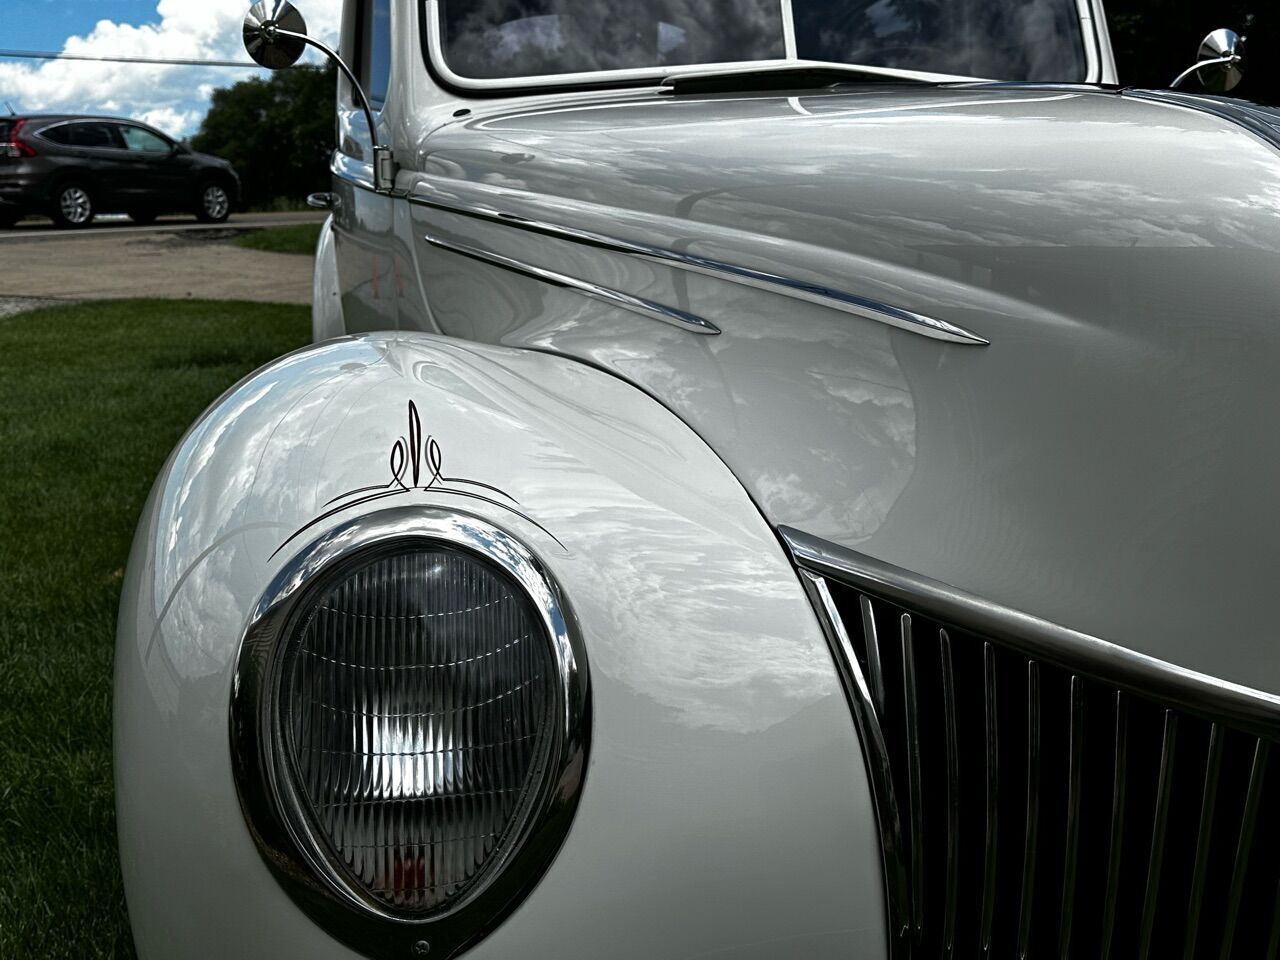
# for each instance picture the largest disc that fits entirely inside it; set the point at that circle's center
(409, 723)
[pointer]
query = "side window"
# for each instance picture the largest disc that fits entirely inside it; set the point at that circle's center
(373, 48)
(59, 134)
(143, 141)
(100, 136)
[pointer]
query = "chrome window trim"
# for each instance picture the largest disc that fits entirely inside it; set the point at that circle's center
(1089, 41)
(1096, 17)
(1095, 61)
(1253, 710)
(634, 75)
(789, 31)
(296, 860)
(859, 306)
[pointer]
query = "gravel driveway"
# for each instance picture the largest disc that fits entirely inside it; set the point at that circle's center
(167, 261)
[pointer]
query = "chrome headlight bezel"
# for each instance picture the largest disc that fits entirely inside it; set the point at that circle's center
(296, 857)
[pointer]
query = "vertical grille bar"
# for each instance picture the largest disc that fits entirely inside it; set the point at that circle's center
(1074, 776)
(993, 794)
(1033, 810)
(1257, 773)
(1163, 796)
(914, 776)
(876, 753)
(874, 668)
(1116, 848)
(953, 795)
(1213, 765)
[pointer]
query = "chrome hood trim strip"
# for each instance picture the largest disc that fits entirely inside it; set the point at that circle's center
(614, 298)
(850, 303)
(1195, 692)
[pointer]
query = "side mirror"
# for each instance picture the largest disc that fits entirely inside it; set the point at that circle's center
(1219, 62)
(273, 32)
(275, 35)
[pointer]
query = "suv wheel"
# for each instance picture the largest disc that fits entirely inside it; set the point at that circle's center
(72, 206)
(214, 204)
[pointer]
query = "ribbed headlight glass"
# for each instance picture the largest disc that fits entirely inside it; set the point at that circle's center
(416, 700)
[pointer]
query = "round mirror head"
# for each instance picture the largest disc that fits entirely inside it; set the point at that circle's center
(1221, 77)
(262, 40)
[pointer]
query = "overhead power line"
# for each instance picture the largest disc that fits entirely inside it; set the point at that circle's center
(46, 55)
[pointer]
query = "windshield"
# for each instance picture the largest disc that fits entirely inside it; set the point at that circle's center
(996, 39)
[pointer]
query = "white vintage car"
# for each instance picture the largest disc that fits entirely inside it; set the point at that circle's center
(773, 479)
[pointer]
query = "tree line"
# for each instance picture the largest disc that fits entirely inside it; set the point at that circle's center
(1155, 40)
(278, 130)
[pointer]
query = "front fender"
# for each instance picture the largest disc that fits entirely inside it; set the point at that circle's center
(725, 808)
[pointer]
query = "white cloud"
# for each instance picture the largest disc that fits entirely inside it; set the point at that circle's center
(172, 98)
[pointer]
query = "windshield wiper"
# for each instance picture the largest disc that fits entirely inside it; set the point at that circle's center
(787, 76)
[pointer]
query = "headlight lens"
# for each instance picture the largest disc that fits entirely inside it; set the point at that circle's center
(409, 728)
(415, 705)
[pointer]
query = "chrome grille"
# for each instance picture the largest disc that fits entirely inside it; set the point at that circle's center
(1045, 794)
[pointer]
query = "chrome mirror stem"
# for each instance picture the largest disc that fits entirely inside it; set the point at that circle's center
(1221, 52)
(384, 165)
(275, 46)
(1218, 61)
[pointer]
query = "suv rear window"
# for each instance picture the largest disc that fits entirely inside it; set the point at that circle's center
(97, 135)
(59, 134)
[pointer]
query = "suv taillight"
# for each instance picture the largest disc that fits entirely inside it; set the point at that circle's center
(17, 147)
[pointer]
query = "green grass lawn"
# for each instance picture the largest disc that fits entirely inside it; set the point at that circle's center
(291, 238)
(92, 398)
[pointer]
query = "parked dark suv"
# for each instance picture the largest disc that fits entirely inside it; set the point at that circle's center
(72, 168)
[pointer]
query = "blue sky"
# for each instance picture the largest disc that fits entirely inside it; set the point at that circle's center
(46, 24)
(173, 98)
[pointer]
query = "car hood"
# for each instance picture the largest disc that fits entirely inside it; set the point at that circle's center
(1109, 461)
(208, 159)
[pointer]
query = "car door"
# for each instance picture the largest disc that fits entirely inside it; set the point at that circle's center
(99, 145)
(156, 175)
